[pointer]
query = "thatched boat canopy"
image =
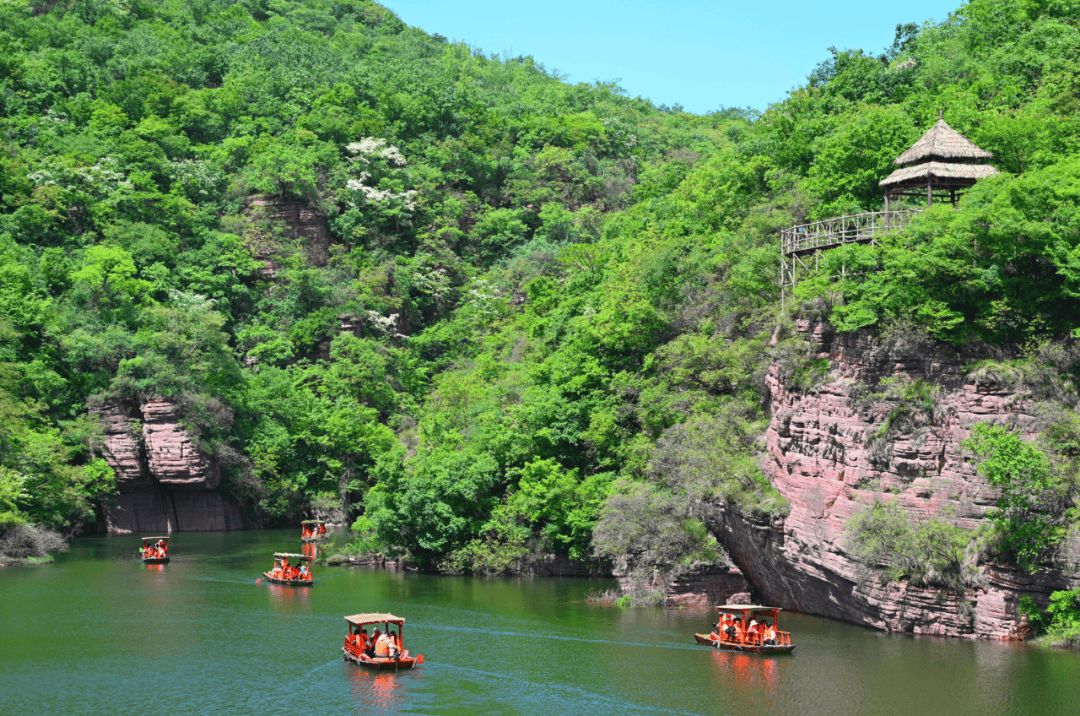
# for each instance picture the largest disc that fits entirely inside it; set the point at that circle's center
(739, 608)
(291, 555)
(313, 522)
(147, 539)
(374, 618)
(942, 162)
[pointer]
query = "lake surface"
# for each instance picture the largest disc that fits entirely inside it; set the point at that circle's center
(99, 633)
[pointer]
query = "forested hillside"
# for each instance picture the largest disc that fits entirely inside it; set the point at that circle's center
(545, 313)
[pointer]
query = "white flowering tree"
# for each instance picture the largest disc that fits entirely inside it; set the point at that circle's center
(375, 195)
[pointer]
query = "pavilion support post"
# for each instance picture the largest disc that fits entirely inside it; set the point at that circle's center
(886, 204)
(929, 193)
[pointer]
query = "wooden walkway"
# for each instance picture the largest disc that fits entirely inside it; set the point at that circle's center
(801, 245)
(829, 233)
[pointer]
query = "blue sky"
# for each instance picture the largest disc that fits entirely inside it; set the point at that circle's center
(698, 54)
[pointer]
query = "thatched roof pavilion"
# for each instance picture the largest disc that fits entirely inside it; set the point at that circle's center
(943, 161)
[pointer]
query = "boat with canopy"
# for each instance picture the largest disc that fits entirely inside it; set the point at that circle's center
(381, 650)
(746, 627)
(294, 574)
(313, 531)
(155, 550)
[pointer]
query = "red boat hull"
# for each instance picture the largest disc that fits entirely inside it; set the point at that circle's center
(747, 648)
(289, 582)
(367, 662)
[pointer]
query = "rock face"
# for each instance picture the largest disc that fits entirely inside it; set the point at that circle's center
(706, 588)
(822, 457)
(302, 223)
(173, 459)
(164, 483)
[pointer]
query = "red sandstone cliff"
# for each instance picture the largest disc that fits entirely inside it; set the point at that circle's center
(165, 484)
(818, 457)
(300, 222)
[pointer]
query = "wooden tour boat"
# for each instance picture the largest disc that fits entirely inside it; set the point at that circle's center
(747, 642)
(285, 573)
(155, 550)
(313, 531)
(369, 658)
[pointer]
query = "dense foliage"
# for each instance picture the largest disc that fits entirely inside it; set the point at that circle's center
(542, 306)
(1059, 623)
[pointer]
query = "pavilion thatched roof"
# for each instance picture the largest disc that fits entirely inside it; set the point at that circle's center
(938, 170)
(942, 142)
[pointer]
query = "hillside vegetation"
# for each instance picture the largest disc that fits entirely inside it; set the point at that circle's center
(559, 299)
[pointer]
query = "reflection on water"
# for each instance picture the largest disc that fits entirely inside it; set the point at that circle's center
(311, 550)
(747, 673)
(286, 596)
(378, 692)
(492, 646)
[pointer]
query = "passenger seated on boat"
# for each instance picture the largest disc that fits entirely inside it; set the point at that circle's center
(770, 635)
(304, 574)
(395, 645)
(375, 636)
(382, 646)
(362, 640)
(322, 529)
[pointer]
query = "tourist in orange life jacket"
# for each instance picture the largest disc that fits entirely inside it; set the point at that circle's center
(322, 529)
(382, 646)
(304, 573)
(770, 635)
(375, 636)
(395, 645)
(729, 626)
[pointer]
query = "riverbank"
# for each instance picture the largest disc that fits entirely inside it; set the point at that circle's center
(29, 545)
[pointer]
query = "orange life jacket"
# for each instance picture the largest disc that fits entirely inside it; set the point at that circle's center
(382, 646)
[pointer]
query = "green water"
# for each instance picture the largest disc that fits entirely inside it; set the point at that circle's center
(99, 633)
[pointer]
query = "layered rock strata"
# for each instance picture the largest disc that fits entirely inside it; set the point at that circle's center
(823, 457)
(301, 222)
(706, 587)
(164, 483)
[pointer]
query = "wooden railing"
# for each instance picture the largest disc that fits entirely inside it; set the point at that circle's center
(842, 230)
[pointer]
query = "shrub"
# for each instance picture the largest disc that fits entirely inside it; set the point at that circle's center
(26, 542)
(1033, 507)
(928, 553)
(1059, 624)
